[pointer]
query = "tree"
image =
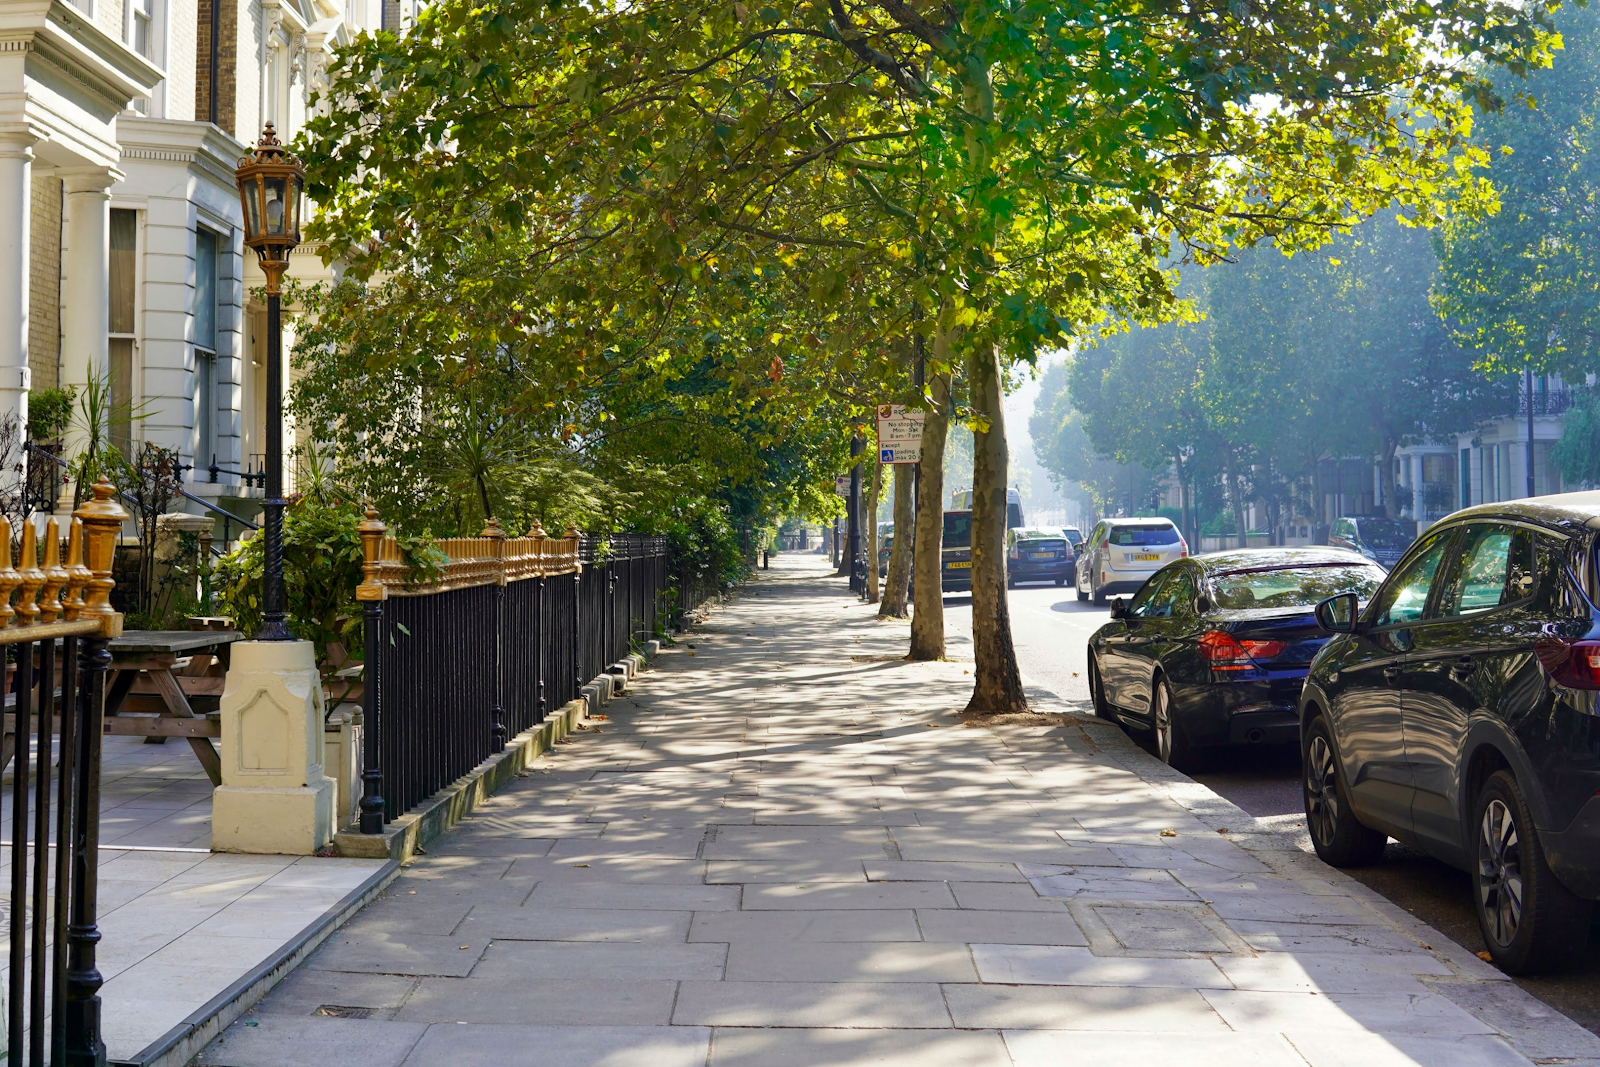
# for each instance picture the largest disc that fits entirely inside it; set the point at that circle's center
(1521, 286)
(1026, 164)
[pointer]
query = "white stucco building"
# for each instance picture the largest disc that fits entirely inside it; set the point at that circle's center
(121, 254)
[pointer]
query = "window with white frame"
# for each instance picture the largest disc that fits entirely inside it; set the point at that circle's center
(207, 262)
(124, 277)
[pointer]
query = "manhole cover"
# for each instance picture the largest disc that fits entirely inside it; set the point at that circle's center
(340, 1011)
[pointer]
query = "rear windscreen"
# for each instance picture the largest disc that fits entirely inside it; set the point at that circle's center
(1041, 544)
(1293, 588)
(1143, 535)
(958, 529)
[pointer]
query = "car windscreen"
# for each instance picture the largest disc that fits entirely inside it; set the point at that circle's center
(1293, 587)
(1385, 533)
(1073, 535)
(958, 529)
(1143, 535)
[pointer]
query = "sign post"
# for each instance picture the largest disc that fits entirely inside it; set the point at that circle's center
(900, 433)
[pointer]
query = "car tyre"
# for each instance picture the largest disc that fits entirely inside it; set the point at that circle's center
(1060, 582)
(1097, 692)
(1341, 840)
(1531, 923)
(1095, 591)
(1172, 740)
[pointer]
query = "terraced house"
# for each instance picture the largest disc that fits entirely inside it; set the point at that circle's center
(121, 122)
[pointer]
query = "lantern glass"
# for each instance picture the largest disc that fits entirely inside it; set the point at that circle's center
(275, 208)
(297, 205)
(250, 190)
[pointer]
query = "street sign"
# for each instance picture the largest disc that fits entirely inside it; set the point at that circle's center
(900, 433)
(841, 485)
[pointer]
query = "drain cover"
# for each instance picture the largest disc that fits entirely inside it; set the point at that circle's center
(340, 1011)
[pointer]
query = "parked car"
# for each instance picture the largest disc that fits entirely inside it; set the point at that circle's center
(1035, 555)
(1212, 650)
(1121, 553)
(885, 546)
(1458, 712)
(955, 556)
(1075, 536)
(1381, 540)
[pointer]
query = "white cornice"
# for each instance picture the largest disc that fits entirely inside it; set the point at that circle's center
(198, 145)
(66, 40)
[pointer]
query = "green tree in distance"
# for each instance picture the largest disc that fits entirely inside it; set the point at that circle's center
(1521, 286)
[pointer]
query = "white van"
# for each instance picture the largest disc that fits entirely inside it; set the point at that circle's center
(1121, 553)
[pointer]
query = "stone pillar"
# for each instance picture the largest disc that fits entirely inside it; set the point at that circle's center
(86, 262)
(274, 797)
(16, 186)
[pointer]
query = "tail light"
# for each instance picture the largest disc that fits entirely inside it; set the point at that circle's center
(1183, 548)
(1014, 553)
(1224, 652)
(1574, 664)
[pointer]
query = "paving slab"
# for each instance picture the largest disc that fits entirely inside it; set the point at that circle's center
(788, 851)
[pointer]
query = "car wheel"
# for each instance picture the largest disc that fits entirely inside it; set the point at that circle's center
(1097, 690)
(1338, 836)
(1011, 583)
(1530, 921)
(1172, 740)
(1060, 582)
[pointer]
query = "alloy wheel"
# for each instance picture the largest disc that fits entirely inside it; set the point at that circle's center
(1163, 717)
(1322, 790)
(1500, 872)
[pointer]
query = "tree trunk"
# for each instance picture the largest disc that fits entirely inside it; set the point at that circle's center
(869, 525)
(1318, 514)
(1183, 504)
(997, 685)
(927, 621)
(893, 605)
(1391, 491)
(1236, 496)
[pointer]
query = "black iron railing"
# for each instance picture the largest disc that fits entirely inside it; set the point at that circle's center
(56, 634)
(509, 631)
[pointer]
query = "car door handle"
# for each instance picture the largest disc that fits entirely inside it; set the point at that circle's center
(1463, 667)
(1391, 674)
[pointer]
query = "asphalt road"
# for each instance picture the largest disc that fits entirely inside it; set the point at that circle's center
(1051, 628)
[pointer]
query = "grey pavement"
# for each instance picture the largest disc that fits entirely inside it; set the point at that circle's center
(783, 849)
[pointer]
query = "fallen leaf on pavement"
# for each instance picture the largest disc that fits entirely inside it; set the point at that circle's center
(1169, 833)
(580, 865)
(1223, 830)
(1485, 957)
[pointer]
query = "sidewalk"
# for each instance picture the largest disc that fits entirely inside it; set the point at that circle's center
(784, 850)
(187, 933)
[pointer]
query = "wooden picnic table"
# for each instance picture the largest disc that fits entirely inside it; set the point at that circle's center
(149, 676)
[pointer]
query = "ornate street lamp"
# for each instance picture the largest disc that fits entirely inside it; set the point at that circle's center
(271, 190)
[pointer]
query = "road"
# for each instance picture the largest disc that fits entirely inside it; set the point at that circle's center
(1051, 629)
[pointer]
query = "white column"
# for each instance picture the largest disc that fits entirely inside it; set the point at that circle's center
(1418, 508)
(16, 186)
(85, 307)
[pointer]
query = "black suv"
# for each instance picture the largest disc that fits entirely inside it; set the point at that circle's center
(1457, 713)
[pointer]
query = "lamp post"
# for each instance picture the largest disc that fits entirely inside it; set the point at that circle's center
(271, 187)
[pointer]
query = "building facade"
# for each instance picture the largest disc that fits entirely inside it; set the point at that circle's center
(121, 252)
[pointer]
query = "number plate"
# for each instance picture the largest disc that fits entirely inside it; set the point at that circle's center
(1041, 555)
(964, 564)
(1144, 557)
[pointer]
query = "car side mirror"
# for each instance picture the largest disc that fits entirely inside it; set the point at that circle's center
(1202, 605)
(1337, 614)
(1119, 609)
